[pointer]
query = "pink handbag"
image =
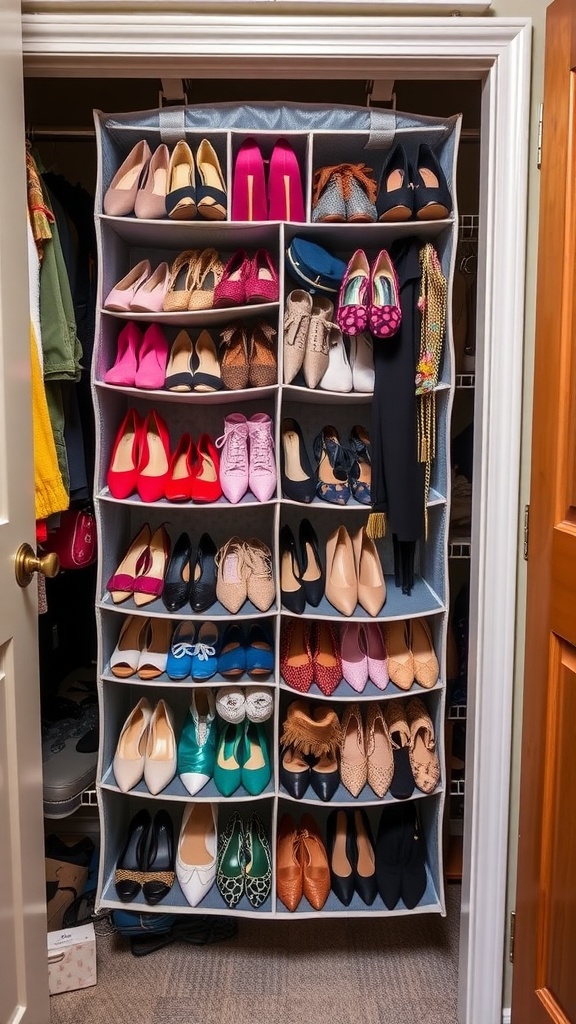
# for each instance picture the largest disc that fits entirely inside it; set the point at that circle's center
(74, 540)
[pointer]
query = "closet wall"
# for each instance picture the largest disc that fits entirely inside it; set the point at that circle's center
(76, 159)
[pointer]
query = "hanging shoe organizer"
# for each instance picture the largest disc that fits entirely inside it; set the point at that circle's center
(317, 137)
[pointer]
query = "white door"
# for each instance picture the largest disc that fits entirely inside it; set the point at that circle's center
(23, 961)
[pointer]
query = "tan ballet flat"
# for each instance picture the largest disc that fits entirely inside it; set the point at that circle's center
(378, 751)
(353, 759)
(371, 585)
(423, 754)
(400, 659)
(426, 668)
(341, 582)
(260, 585)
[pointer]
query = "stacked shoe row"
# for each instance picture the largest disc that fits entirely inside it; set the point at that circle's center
(398, 652)
(239, 571)
(144, 461)
(211, 745)
(245, 358)
(238, 858)
(178, 585)
(388, 746)
(196, 280)
(183, 185)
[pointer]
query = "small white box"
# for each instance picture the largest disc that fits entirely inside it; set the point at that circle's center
(71, 959)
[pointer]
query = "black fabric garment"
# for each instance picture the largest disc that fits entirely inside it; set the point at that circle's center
(397, 476)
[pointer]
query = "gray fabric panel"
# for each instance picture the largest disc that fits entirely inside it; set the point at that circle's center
(171, 123)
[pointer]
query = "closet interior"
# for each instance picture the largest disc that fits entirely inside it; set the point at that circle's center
(73, 665)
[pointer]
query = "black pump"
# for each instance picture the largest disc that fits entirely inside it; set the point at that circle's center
(432, 199)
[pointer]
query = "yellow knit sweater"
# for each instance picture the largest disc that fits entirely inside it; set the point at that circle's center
(50, 494)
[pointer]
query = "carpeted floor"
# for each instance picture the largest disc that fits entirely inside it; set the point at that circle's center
(378, 971)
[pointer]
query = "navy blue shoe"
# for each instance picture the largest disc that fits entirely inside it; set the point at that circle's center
(232, 656)
(259, 651)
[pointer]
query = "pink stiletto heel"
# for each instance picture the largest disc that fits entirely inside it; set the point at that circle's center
(123, 371)
(153, 356)
(285, 194)
(249, 185)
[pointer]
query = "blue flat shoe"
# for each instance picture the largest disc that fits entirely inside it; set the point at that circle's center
(228, 767)
(259, 651)
(256, 767)
(179, 661)
(205, 656)
(232, 657)
(197, 743)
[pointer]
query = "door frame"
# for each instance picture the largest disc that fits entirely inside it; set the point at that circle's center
(110, 42)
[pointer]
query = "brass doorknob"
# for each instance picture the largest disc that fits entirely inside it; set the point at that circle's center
(27, 562)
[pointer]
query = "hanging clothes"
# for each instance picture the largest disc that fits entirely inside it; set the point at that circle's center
(50, 494)
(397, 475)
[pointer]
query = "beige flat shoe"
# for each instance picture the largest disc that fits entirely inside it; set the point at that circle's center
(260, 585)
(231, 588)
(296, 314)
(400, 658)
(341, 584)
(371, 585)
(378, 751)
(353, 759)
(316, 354)
(426, 668)
(130, 753)
(423, 754)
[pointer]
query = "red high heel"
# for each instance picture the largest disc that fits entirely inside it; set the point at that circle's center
(285, 193)
(180, 473)
(262, 279)
(123, 469)
(154, 458)
(206, 478)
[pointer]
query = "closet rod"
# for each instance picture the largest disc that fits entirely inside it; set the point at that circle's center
(88, 134)
(61, 134)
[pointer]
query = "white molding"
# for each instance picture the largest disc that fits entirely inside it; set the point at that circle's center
(498, 51)
(191, 7)
(297, 46)
(506, 1015)
(495, 528)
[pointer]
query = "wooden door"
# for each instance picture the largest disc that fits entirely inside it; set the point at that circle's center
(23, 958)
(545, 934)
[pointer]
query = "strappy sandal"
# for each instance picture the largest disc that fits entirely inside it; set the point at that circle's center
(209, 270)
(263, 365)
(182, 279)
(334, 464)
(235, 368)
